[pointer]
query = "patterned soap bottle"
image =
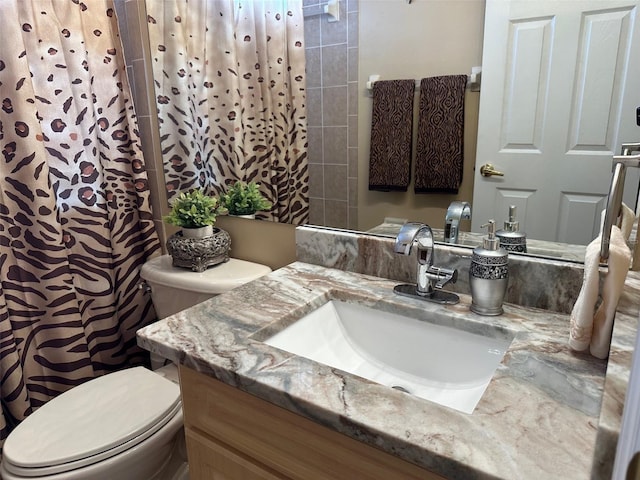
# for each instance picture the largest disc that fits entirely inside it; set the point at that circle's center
(511, 238)
(489, 274)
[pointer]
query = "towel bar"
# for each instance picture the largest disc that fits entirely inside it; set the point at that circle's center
(473, 80)
(628, 160)
(614, 200)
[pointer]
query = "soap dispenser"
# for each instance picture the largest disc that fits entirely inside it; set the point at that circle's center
(488, 275)
(511, 238)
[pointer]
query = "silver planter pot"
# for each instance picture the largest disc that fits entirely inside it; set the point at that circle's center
(199, 252)
(200, 232)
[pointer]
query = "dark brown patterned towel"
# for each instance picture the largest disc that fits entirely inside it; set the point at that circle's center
(439, 149)
(391, 130)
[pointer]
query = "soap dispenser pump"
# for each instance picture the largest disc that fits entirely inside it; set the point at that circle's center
(511, 238)
(489, 274)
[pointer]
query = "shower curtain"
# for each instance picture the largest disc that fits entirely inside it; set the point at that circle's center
(230, 80)
(75, 218)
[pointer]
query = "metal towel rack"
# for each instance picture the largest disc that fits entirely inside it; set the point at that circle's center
(473, 80)
(614, 201)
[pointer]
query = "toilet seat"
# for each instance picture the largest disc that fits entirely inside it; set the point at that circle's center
(133, 404)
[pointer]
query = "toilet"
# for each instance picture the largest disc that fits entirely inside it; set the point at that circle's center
(127, 424)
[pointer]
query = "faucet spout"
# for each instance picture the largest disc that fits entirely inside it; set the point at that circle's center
(456, 212)
(409, 232)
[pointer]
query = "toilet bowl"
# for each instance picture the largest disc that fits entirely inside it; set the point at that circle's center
(132, 437)
(126, 425)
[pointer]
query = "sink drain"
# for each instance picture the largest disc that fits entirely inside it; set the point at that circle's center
(402, 389)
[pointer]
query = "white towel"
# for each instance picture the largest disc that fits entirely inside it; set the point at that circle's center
(628, 226)
(628, 216)
(618, 263)
(627, 221)
(583, 309)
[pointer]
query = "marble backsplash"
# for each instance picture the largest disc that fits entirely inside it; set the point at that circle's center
(533, 282)
(538, 248)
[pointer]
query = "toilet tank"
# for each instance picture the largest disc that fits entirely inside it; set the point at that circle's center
(174, 289)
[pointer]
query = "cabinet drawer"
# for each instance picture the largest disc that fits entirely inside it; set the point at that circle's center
(209, 460)
(283, 441)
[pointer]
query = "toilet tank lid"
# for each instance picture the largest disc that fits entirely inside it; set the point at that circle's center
(215, 280)
(92, 418)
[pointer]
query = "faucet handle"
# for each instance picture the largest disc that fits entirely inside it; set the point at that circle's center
(441, 276)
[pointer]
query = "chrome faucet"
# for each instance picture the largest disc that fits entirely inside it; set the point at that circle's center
(455, 212)
(430, 279)
(614, 200)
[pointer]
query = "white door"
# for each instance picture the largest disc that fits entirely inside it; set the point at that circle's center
(560, 86)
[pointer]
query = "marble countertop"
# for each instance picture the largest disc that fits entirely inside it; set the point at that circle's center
(545, 413)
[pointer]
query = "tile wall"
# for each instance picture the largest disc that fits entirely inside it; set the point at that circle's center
(332, 108)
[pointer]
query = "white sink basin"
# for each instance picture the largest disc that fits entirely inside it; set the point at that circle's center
(446, 365)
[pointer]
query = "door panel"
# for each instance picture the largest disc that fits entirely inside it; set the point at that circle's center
(527, 73)
(573, 208)
(603, 44)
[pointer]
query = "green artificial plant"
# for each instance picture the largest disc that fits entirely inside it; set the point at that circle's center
(193, 210)
(244, 199)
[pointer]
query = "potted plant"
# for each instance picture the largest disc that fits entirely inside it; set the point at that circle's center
(195, 212)
(244, 199)
(198, 245)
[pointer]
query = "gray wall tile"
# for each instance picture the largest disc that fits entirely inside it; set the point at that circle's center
(335, 182)
(316, 211)
(316, 181)
(334, 106)
(314, 138)
(312, 31)
(336, 214)
(314, 107)
(335, 145)
(334, 65)
(314, 67)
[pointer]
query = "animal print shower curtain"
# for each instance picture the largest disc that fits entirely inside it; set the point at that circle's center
(230, 80)
(75, 220)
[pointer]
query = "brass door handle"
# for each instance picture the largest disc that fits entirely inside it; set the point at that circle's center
(488, 170)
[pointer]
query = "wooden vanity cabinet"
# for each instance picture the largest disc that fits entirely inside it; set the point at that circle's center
(232, 435)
